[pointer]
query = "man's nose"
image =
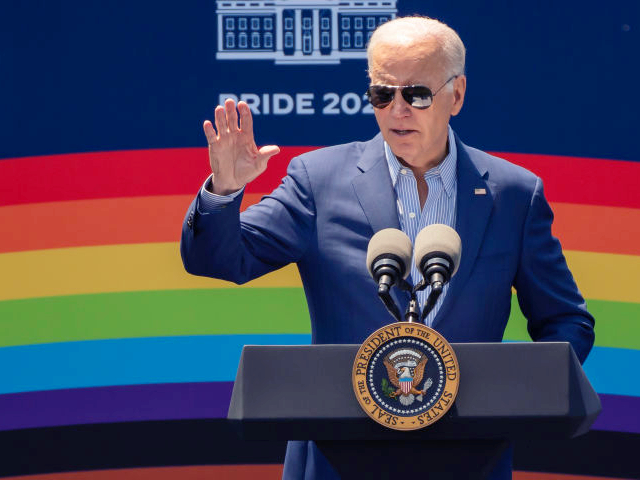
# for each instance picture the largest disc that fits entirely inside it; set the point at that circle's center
(399, 106)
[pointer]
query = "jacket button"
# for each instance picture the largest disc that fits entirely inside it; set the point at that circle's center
(190, 220)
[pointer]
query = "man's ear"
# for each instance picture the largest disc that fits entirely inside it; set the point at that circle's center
(459, 89)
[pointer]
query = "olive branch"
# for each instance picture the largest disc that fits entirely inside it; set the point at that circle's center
(386, 388)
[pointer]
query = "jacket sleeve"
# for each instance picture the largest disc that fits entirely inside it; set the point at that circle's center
(226, 244)
(547, 293)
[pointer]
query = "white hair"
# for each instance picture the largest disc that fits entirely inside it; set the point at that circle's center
(412, 30)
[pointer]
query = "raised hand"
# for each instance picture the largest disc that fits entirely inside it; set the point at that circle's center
(234, 157)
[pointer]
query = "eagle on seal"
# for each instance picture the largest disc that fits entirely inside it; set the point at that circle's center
(402, 379)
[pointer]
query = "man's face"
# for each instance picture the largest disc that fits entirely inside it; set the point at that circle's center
(417, 137)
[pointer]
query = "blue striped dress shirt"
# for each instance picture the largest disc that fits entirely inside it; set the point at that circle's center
(440, 206)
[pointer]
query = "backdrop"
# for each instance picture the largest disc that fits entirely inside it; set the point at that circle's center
(111, 357)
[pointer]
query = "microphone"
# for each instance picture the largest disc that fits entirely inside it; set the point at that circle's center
(388, 261)
(437, 255)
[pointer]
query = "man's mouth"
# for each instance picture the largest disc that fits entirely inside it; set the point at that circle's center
(402, 132)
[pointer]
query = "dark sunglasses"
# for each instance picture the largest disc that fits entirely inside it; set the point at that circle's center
(418, 96)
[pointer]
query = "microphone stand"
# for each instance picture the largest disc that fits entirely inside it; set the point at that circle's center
(385, 296)
(436, 291)
(412, 314)
(431, 301)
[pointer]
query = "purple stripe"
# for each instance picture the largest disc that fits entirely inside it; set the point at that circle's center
(177, 401)
(171, 401)
(619, 413)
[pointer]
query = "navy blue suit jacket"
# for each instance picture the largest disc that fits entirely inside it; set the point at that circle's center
(325, 212)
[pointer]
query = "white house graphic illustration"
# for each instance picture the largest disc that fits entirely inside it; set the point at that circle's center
(298, 31)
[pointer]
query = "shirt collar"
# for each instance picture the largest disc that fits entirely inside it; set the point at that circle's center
(446, 170)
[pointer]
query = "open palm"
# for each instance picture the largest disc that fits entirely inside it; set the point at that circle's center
(234, 157)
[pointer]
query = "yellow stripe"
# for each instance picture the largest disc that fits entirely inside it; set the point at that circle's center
(113, 268)
(157, 266)
(606, 276)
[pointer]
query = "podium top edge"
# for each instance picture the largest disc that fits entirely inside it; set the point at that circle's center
(454, 344)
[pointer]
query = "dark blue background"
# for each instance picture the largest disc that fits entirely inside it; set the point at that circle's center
(80, 75)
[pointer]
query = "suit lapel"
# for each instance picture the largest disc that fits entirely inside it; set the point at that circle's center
(374, 189)
(377, 197)
(473, 211)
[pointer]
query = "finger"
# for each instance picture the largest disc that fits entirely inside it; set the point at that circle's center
(268, 151)
(209, 132)
(232, 114)
(246, 120)
(221, 121)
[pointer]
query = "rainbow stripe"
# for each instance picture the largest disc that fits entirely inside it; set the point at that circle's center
(97, 315)
(232, 472)
(196, 472)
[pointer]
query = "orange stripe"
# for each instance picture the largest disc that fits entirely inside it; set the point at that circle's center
(111, 221)
(108, 221)
(251, 198)
(594, 228)
(207, 472)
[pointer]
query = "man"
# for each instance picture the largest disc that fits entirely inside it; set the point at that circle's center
(414, 173)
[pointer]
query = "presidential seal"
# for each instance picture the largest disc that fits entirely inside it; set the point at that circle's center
(405, 376)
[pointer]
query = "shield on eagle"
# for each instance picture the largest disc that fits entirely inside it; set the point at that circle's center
(405, 368)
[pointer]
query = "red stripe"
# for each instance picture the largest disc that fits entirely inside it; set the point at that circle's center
(131, 173)
(588, 181)
(232, 472)
(180, 171)
(557, 476)
(199, 472)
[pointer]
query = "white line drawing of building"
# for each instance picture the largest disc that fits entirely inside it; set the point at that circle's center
(298, 31)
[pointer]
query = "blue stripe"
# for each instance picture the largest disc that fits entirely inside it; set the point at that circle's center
(614, 370)
(129, 361)
(211, 358)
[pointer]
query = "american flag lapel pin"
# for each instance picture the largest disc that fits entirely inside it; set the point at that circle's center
(479, 191)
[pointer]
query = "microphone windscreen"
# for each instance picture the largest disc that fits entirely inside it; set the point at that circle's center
(390, 241)
(438, 238)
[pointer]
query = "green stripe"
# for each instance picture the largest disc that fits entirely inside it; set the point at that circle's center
(153, 314)
(225, 311)
(617, 323)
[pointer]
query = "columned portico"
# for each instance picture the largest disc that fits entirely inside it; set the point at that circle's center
(280, 30)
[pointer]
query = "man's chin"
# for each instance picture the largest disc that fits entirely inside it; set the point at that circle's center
(403, 152)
